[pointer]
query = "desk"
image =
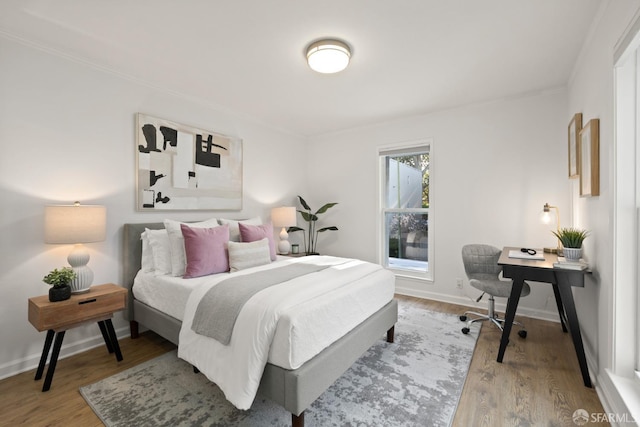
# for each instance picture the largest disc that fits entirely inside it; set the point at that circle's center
(562, 280)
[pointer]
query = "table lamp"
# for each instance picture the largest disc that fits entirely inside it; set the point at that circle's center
(76, 224)
(283, 217)
(546, 218)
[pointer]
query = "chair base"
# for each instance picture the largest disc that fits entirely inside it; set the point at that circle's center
(490, 316)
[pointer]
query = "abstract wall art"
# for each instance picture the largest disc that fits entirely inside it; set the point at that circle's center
(185, 168)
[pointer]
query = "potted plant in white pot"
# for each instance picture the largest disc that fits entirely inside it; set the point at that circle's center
(59, 281)
(571, 240)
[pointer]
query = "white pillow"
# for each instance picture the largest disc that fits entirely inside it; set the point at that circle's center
(159, 242)
(234, 228)
(176, 242)
(246, 255)
(146, 262)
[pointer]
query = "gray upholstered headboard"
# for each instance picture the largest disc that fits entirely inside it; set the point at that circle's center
(132, 255)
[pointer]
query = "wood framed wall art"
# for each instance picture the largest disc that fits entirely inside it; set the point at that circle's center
(575, 126)
(589, 161)
(180, 167)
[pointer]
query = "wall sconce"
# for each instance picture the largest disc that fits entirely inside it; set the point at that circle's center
(283, 217)
(76, 224)
(546, 219)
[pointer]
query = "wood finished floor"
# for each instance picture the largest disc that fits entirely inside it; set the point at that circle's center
(539, 383)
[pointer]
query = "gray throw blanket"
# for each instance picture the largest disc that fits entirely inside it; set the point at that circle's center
(218, 309)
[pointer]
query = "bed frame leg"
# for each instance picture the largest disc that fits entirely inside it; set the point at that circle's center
(133, 327)
(297, 420)
(390, 334)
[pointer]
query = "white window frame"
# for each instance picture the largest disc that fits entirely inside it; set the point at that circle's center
(401, 148)
(626, 214)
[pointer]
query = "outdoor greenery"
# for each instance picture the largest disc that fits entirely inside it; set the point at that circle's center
(421, 162)
(311, 236)
(59, 278)
(571, 237)
(402, 223)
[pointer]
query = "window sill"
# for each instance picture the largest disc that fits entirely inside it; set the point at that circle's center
(411, 275)
(625, 397)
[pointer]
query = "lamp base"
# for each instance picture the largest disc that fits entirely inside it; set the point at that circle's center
(283, 245)
(78, 259)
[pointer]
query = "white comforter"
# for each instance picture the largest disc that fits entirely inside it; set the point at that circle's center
(237, 368)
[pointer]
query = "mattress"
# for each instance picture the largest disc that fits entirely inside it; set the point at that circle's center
(303, 331)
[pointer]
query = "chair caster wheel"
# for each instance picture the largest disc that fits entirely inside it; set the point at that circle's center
(465, 330)
(463, 318)
(522, 333)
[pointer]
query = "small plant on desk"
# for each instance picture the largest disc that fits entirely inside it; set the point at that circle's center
(571, 240)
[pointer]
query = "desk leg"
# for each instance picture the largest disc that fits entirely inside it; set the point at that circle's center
(45, 354)
(105, 336)
(574, 327)
(54, 361)
(114, 339)
(561, 312)
(510, 315)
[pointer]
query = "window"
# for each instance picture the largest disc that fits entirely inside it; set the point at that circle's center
(626, 325)
(404, 200)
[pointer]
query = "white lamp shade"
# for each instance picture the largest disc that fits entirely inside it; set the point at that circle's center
(283, 217)
(328, 56)
(64, 224)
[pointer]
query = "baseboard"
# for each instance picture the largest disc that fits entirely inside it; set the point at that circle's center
(551, 316)
(30, 362)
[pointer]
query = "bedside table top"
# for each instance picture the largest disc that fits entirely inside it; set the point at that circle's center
(99, 303)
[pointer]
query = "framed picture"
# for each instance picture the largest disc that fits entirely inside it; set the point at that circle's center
(590, 159)
(180, 167)
(574, 132)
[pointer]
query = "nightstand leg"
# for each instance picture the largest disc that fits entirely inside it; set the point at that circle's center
(53, 361)
(45, 354)
(105, 336)
(114, 339)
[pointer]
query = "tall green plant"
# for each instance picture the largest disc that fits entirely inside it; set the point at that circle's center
(311, 235)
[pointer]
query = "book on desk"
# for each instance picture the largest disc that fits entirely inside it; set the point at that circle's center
(570, 265)
(519, 254)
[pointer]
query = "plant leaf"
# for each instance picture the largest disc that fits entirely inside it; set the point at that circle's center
(325, 208)
(332, 228)
(303, 203)
(292, 229)
(308, 217)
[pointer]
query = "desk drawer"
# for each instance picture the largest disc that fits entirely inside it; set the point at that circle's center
(80, 308)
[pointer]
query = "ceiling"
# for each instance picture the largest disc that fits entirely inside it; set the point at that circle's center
(248, 56)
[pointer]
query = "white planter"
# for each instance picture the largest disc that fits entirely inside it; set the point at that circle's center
(572, 254)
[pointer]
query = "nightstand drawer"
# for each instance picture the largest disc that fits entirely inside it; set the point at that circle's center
(100, 301)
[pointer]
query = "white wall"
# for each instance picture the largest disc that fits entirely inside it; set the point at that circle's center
(493, 166)
(591, 92)
(67, 133)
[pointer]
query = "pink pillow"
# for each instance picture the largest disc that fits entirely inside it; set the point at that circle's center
(206, 250)
(253, 233)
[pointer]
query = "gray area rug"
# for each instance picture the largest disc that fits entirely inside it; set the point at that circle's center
(416, 381)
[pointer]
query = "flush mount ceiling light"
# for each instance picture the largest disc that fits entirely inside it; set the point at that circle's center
(328, 56)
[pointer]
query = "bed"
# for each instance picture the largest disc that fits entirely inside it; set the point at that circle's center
(293, 389)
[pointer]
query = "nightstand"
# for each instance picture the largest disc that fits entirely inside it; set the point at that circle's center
(97, 305)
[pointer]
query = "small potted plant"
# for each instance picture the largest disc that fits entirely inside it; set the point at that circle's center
(59, 281)
(571, 239)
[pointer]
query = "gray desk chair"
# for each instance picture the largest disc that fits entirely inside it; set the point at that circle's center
(481, 265)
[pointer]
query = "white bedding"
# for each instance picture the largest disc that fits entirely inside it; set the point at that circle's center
(296, 339)
(300, 317)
